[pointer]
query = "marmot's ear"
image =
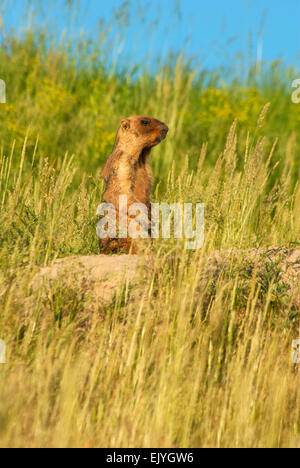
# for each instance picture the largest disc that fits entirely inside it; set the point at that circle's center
(125, 124)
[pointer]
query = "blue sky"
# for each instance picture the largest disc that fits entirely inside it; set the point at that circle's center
(212, 31)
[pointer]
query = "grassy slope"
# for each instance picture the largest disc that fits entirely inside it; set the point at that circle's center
(182, 365)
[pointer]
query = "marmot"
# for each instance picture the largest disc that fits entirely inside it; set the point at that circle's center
(127, 170)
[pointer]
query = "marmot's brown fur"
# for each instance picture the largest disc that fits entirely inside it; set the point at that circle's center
(127, 170)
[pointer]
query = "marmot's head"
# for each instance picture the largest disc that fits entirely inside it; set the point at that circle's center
(144, 132)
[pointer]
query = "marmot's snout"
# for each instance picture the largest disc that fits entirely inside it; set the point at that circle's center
(164, 131)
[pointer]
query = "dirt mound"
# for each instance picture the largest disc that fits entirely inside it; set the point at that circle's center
(274, 265)
(285, 262)
(104, 274)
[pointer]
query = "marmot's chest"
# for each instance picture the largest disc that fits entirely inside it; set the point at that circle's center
(142, 185)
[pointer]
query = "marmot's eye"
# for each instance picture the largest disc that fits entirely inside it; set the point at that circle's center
(145, 122)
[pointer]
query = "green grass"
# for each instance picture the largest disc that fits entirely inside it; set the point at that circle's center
(180, 364)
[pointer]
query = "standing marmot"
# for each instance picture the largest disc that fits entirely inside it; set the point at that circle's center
(127, 170)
